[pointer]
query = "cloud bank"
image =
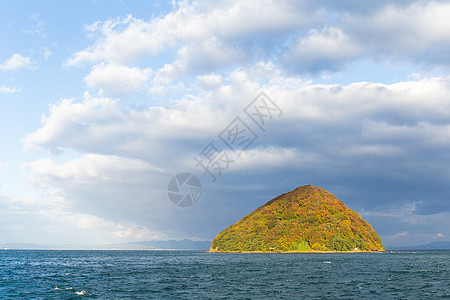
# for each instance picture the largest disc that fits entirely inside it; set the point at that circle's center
(381, 147)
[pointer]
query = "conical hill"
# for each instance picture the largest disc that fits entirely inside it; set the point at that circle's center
(305, 219)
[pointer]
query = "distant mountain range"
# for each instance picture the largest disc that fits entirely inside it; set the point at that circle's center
(179, 245)
(438, 245)
(185, 244)
(171, 244)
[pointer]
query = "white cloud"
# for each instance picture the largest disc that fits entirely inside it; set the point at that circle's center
(9, 90)
(102, 125)
(417, 26)
(46, 52)
(133, 232)
(198, 38)
(419, 30)
(375, 117)
(406, 225)
(119, 41)
(2, 166)
(125, 197)
(92, 166)
(202, 37)
(38, 25)
(125, 40)
(84, 115)
(200, 58)
(406, 211)
(328, 49)
(16, 61)
(48, 219)
(114, 231)
(108, 186)
(210, 82)
(117, 80)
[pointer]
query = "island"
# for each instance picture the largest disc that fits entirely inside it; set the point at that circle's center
(307, 219)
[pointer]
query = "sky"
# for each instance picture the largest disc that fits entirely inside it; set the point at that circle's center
(103, 103)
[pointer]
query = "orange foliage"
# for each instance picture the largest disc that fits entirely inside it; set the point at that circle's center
(308, 215)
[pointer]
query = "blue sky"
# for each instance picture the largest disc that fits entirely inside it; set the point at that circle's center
(103, 102)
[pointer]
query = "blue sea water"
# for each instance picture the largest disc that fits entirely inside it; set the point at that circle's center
(51, 274)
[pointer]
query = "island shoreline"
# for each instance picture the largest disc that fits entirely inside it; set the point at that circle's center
(297, 252)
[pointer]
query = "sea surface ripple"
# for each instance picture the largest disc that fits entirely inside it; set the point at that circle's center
(67, 274)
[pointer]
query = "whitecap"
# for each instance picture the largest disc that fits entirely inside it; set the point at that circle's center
(82, 293)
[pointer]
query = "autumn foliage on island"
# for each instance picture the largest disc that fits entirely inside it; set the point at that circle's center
(305, 219)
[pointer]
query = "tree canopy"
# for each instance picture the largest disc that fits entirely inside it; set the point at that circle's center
(305, 219)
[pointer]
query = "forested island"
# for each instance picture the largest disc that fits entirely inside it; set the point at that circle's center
(307, 219)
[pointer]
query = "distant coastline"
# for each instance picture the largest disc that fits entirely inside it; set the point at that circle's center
(185, 244)
(197, 245)
(436, 245)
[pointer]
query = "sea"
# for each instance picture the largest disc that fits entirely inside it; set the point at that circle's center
(86, 274)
